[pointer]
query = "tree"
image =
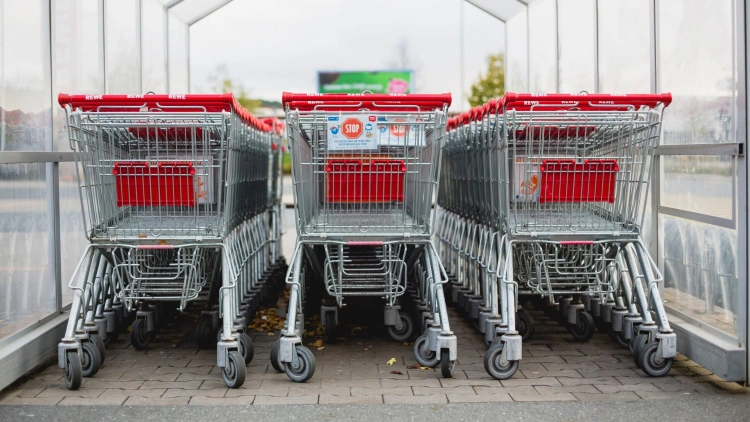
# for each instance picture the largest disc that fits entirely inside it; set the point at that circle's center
(222, 83)
(403, 58)
(491, 84)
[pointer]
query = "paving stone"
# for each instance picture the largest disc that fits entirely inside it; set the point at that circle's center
(246, 390)
(262, 400)
(223, 401)
(114, 392)
(334, 399)
(286, 382)
(303, 390)
(187, 385)
(611, 389)
(36, 401)
(396, 399)
(595, 359)
(514, 382)
(99, 401)
(369, 391)
(593, 381)
(91, 383)
(623, 396)
(568, 373)
(466, 398)
(646, 380)
(583, 388)
(149, 377)
(426, 382)
(429, 391)
(542, 397)
(650, 395)
(203, 369)
(179, 392)
(64, 392)
(452, 382)
(27, 392)
(148, 401)
(490, 391)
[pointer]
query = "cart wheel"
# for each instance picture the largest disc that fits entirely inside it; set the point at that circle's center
(91, 360)
(425, 356)
(99, 343)
(139, 337)
(247, 350)
(111, 337)
(234, 373)
(524, 325)
(494, 365)
(407, 328)
(305, 367)
(583, 329)
(204, 331)
(330, 326)
(275, 362)
(73, 372)
(619, 337)
(602, 326)
(652, 364)
(446, 364)
(637, 346)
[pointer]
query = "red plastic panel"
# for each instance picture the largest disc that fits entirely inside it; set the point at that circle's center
(352, 181)
(166, 184)
(564, 180)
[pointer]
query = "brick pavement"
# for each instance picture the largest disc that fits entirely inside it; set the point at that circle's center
(354, 371)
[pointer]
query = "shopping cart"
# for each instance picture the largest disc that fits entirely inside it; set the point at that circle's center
(566, 178)
(174, 194)
(364, 169)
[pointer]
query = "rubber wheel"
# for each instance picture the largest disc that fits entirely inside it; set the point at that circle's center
(583, 329)
(234, 373)
(247, 350)
(275, 362)
(446, 364)
(73, 372)
(91, 360)
(204, 332)
(407, 328)
(494, 366)
(651, 364)
(524, 325)
(139, 337)
(111, 338)
(330, 326)
(637, 346)
(305, 367)
(99, 343)
(425, 356)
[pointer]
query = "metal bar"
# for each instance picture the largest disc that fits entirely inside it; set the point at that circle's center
(19, 157)
(702, 149)
(699, 217)
(208, 12)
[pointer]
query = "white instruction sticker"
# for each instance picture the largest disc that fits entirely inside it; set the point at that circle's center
(352, 132)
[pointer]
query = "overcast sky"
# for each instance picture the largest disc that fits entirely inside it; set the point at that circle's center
(275, 46)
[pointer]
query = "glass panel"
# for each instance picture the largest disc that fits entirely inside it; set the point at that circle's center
(484, 35)
(122, 36)
(700, 184)
(178, 56)
(72, 236)
(78, 57)
(517, 60)
(24, 76)
(697, 67)
(576, 45)
(188, 11)
(154, 46)
(543, 46)
(26, 293)
(624, 60)
(700, 272)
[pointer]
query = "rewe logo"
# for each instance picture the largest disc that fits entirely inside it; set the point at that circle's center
(351, 128)
(93, 97)
(176, 97)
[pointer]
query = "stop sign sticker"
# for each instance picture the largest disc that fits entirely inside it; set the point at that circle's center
(352, 128)
(353, 132)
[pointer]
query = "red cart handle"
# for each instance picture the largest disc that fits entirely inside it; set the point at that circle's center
(405, 99)
(384, 106)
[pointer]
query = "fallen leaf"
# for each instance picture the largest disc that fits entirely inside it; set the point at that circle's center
(317, 343)
(397, 373)
(270, 334)
(418, 366)
(392, 361)
(321, 348)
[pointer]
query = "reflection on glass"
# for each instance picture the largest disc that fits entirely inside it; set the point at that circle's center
(576, 45)
(542, 46)
(72, 237)
(624, 46)
(122, 43)
(701, 184)
(517, 56)
(178, 56)
(700, 272)
(697, 67)
(154, 46)
(26, 292)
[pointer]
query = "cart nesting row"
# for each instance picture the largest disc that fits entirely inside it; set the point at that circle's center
(543, 197)
(365, 168)
(180, 199)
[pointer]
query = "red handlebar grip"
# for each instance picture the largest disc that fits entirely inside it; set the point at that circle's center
(405, 99)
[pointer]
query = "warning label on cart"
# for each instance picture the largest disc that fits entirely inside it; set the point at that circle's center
(400, 131)
(351, 132)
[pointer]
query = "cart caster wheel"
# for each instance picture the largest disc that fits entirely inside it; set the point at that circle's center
(96, 339)
(234, 373)
(91, 360)
(637, 346)
(139, 337)
(305, 367)
(111, 338)
(602, 326)
(205, 334)
(407, 328)
(425, 356)
(247, 350)
(330, 327)
(619, 337)
(583, 329)
(494, 365)
(652, 364)
(446, 364)
(275, 362)
(73, 371)
(524, 325)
